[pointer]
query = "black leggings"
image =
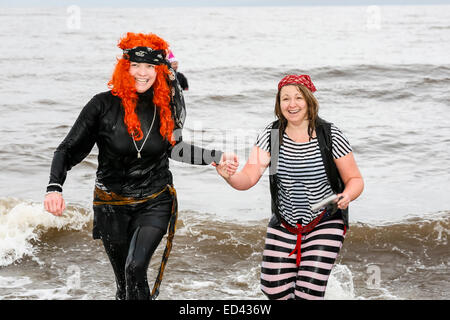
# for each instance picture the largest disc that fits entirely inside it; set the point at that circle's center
(130, 262)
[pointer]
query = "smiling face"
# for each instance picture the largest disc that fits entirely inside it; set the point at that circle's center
(144, 75)
(293, 104)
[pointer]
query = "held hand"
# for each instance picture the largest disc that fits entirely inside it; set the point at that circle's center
(228, 165)
(231, 162)
(54, 203)
(344, 201)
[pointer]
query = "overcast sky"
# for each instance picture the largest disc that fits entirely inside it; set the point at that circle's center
(209, 3)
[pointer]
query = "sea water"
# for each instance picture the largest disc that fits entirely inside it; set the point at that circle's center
(382, 75)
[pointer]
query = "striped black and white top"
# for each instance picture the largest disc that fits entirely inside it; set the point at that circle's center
(302, 177)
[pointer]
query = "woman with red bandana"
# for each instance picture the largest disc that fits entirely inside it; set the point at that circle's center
(310, 160)
(136, 126)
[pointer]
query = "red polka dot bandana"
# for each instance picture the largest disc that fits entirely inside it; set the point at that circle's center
(297, 79)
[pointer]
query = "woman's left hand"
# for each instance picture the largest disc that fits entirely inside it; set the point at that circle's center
(344, 200)
(228, 165)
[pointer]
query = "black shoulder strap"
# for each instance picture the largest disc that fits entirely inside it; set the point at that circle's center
(274, 147)
(323, 131)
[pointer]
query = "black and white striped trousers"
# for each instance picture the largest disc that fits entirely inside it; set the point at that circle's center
(280, 276)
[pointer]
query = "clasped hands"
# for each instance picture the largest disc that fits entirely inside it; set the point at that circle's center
(228, 165)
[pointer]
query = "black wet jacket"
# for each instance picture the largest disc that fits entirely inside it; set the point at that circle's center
(101, 122)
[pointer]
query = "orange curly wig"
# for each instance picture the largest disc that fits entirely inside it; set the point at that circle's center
(122, 84)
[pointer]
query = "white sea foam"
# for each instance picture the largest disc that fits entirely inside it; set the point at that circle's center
(340, 284)
(46, 294)
(22, 224)
(14, 282)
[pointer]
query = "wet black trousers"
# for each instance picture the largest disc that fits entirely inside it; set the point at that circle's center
(130, 235)
(130, 262)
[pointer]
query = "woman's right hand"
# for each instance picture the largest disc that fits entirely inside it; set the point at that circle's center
(54, 203)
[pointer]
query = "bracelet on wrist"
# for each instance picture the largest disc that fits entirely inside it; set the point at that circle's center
(48, 192)
(54, 187)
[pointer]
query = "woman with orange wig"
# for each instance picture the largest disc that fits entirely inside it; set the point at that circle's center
(137, 127)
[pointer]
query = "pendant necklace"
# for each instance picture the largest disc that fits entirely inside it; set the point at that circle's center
(148, 133)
